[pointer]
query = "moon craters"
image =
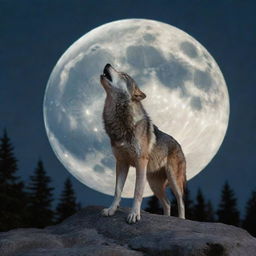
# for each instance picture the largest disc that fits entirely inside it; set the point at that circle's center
(141, 56)
(98, 168)
(108, 161)
(173, 74)
(196, 103)
(189, 49)
(203, 80)
(149, 37)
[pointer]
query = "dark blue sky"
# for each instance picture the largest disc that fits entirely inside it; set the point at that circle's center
(34, 34)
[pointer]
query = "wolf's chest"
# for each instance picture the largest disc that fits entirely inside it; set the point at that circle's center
(127, 152)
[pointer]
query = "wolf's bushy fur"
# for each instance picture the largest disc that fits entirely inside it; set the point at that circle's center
(118, 120)
(135, 141)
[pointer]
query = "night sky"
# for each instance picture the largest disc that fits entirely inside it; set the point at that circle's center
(34, 34)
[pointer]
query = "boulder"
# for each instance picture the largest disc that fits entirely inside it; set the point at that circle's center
(87, 233)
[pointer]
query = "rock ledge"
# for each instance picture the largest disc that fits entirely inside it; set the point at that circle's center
(87, 233)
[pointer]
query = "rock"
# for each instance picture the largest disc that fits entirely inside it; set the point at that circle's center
(87, 233)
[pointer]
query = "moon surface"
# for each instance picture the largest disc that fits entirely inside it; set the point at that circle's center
(187, 97)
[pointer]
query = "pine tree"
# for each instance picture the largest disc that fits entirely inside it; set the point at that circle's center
(8, 162)
(67, 205)
(227, 211)
(249, 222)
(209, 212)
(199, 211)
(12, 195)
(153, 205)
(174, 206)
(40, 195)
(187, 202)
(188, 205)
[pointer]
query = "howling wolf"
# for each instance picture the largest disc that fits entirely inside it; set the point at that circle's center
(137, 142)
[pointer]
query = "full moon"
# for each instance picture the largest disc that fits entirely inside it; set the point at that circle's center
(187, 97)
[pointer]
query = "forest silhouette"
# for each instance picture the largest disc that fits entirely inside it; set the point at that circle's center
(30, 205)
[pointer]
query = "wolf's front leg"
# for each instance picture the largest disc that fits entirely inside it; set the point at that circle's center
(121, 174)
(141, 171)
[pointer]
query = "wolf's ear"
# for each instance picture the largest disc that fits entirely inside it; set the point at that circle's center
(138, 94)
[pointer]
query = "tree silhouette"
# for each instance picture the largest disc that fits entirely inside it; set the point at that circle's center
(8, 162)
(40, 195)
(199, 211)
(67, 205)
(227, 211)
(153, 205)
(188, 205)
(12, 195)
(249, 222)
(209, 212)
(188, 202)
(174, 206)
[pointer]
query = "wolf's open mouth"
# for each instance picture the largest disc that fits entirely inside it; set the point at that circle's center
(106, 73)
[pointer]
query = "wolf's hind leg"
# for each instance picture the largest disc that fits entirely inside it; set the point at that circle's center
(176, 175)
(121, 175)
(157, 182)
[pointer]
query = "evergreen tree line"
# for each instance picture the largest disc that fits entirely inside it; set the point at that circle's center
(30, 205)
(202, 210)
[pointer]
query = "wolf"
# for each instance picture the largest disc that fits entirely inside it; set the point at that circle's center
(137, 142)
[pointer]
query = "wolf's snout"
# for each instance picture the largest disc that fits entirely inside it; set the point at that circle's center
(106, 72)
(107, 66)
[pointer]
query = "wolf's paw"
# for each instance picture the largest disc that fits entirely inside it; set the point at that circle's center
(108, 211)
(133, 217)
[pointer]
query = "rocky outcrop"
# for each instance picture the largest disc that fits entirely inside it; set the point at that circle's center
(87, 233)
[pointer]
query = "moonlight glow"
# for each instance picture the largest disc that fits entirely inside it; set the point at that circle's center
(186, 97)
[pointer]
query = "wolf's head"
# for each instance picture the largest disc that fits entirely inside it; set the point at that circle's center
(120, 84)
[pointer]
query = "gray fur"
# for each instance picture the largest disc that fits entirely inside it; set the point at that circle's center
(119, 122)
(135, 141)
